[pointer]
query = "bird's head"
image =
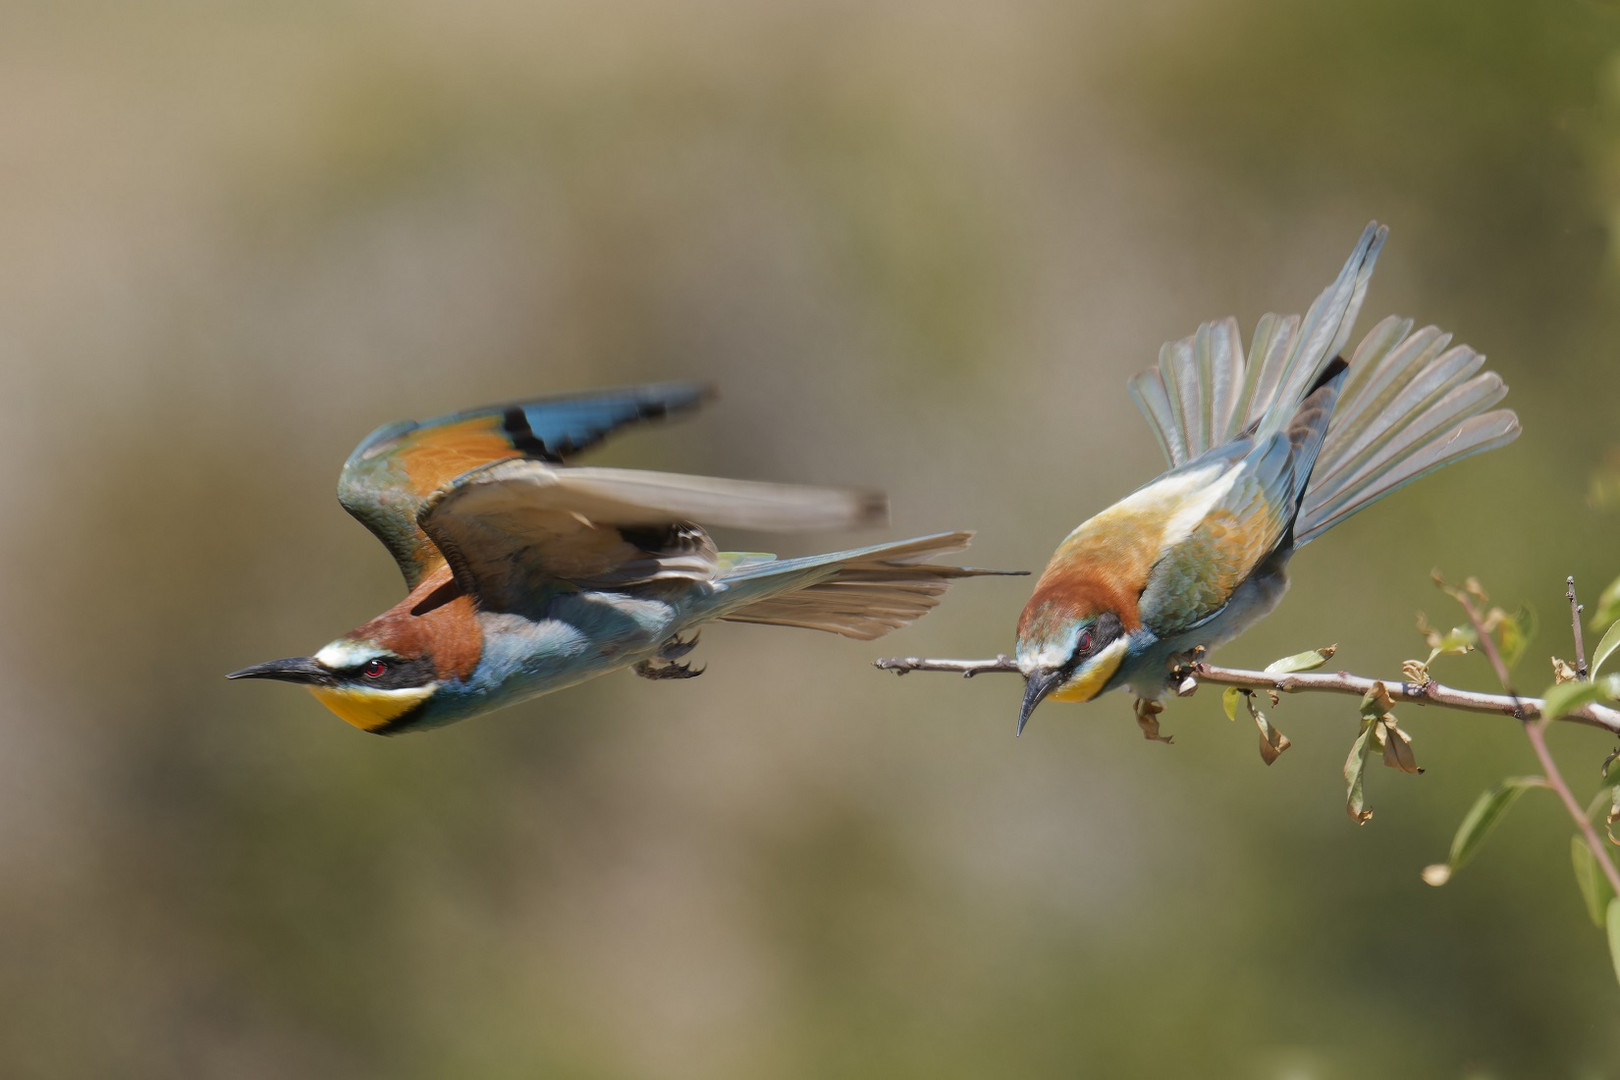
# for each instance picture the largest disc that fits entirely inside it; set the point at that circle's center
(383, 676)
(1067, 652)
(365, 682)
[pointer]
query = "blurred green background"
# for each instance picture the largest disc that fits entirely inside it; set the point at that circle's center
(918, 245)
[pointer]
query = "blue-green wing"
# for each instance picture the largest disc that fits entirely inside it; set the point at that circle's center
(394, 470)
(1196, 575)
(1260, 492)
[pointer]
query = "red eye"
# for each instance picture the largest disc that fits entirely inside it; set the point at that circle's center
(1084, 644)
(374, 669)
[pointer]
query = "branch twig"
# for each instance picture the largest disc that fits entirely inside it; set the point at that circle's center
(1430, 693)
(903, 665)
(1530, 711)
(1535, 729)
(1575, 610)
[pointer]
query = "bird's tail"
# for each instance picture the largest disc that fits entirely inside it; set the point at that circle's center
(1203, 393)
(1408, 405)
(861, 594)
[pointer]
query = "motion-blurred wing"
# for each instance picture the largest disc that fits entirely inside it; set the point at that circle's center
(515, 530)
(389, 476)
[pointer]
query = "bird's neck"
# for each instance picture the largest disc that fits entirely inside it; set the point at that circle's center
(437, 619)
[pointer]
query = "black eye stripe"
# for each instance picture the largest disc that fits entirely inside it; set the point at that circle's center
(397, 674)
(1094, 638)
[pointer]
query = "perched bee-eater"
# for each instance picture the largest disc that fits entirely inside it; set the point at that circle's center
(526, 576)
(1266, 455)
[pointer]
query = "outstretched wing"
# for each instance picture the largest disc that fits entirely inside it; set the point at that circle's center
(514, 531)
(390, 474)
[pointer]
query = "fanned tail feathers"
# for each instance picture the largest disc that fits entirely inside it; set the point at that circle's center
(1409, 405)
(860, 594)
(1203, 394)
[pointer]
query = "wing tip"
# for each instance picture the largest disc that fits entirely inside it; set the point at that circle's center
(871, 509)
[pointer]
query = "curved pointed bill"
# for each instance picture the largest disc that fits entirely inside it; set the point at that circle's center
(1036, 686)
(298, 669)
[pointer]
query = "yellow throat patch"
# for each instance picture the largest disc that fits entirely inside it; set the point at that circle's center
(1089, 683)
(370, 709)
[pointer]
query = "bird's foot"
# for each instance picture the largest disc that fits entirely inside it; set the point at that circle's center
(677, 646)
(1147, 718)
(1182, 663)
(665, 665)
(664, 669)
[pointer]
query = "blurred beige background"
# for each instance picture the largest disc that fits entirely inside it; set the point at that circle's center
(919, 245)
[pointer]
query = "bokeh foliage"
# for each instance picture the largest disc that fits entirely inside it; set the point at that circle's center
(919, 246)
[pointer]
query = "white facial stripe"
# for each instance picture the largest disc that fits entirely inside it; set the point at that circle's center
(341, 655)
(1050, 658)
(1053, 657)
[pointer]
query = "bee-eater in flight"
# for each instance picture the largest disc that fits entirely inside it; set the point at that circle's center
(527, 576)
(1266, 454)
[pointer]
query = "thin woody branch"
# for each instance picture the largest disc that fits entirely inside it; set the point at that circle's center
(1575, 610)
(1535, 730)
(904, 665)
(1430, 693)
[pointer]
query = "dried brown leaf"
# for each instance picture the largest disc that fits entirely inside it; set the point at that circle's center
(1375, 703)
(1147, 718)
(1398, 748)
(1272, 741)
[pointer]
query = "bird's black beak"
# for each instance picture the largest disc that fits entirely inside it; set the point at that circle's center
(299, 669)
(1036, 687)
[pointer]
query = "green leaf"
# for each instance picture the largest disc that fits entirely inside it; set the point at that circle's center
(1591, 880)
(1459, 639)
(1305, 661)
(1487, 810)
(1515, 633)
(1561, 699)
(1608, 605)
(1229, 701)
(1610, 642)
(1614, 935)
(1354, 766)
